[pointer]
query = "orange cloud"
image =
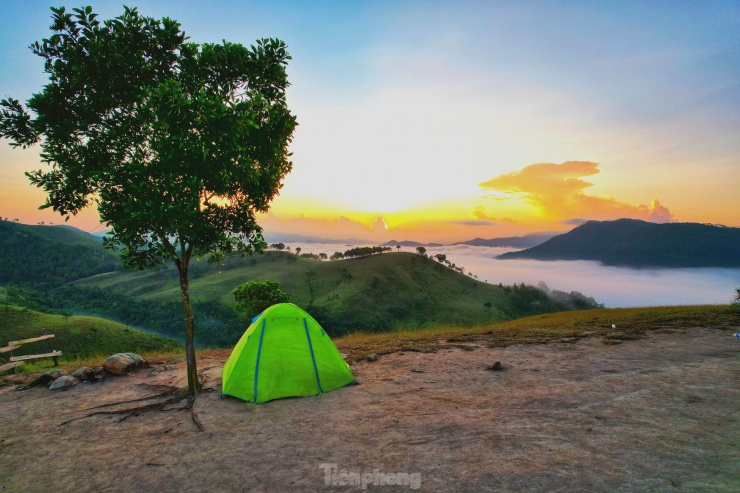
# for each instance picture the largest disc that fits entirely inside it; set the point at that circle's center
(558, 191)
(479, 212)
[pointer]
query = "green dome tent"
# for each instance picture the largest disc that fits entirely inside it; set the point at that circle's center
(283, 353)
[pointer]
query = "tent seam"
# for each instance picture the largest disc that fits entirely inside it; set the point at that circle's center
(257, 365)
(313, 358)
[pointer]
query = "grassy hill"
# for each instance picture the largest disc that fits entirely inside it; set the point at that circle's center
(374, 293)
(633, 243)
(74, 336)
(50, 254)
(61, 270)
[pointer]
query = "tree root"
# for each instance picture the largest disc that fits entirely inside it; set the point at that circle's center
(197, 422)
(147, 398)
(171, 394)
(131, 411)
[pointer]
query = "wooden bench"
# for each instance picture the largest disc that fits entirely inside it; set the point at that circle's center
(16, 361)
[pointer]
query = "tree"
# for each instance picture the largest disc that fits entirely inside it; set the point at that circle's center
(323, 256)
(255, 297)
(297, 251)
(179, 145)
(441, 257)
(421, 250)
(398, 248)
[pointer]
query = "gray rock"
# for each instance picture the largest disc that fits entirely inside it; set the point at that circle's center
(372, 357)
(121, 363)
(64, 382)
(47, 378)
(87, 374)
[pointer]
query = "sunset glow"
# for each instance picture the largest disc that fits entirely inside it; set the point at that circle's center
(444, 123)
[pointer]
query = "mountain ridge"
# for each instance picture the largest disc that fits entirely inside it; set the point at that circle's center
(526, 241)
(33, 253)
(636, 243)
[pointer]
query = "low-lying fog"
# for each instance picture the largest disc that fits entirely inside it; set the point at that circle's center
(613, 286)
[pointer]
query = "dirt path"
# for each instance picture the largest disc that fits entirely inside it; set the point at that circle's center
(657, 414)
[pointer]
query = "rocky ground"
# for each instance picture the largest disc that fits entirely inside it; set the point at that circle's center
(657, 414)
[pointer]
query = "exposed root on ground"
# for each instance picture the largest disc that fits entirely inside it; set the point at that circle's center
(194, 416)
(170, 394)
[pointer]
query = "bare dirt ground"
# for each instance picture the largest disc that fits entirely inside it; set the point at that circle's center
(657, 414)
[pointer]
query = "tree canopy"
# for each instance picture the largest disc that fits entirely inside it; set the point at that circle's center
(179, 145)
(255, 297)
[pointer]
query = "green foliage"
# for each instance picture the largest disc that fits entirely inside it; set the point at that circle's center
(421, 250)
(180, 145)
(255, 297)
(411, 292)
(736, 299)
(219, 325)
(365, 251)
(75, 336)
(49, 254)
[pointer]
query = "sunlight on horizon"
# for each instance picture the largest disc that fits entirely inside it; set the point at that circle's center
(406, 117)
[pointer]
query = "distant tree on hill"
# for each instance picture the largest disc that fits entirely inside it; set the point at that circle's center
(398, 248)
(441, 257)
(297, 250)
(255, 297)
(179, 145)
(421, 250)
(323, 256)
(336, 256)
(278, 246)
(365, 251)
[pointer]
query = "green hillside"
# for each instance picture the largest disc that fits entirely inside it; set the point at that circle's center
(74, 336)
(374, 293)
(50, 254)
(633, 243)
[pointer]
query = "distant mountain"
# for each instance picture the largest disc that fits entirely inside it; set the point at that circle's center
(393, 243)
(296, 238)
(634, 243)
(42, 254)
(526, 241)
(98, 235)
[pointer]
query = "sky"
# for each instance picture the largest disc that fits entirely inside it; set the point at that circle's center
(446, 121)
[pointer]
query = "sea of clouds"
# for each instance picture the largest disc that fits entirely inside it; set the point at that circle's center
(613, 286)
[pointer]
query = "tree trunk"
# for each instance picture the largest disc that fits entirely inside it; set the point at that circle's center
(192, 370)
